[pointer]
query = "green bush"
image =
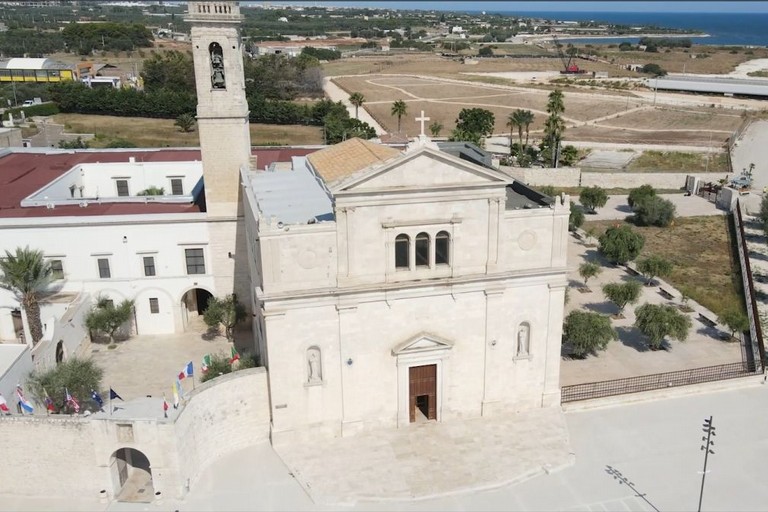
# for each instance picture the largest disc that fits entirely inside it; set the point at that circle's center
(79, 376)
(576, 218)
(220, 365)
(641, 192)
(621, 244)
(654, 211)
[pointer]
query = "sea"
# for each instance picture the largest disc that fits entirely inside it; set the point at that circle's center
(724, 29)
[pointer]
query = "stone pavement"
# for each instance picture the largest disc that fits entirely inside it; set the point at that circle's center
(431, 459)
(630, 356)
(148, 365)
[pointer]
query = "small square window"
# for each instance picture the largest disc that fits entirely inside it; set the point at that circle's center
(104, 272)
(57, 269)
(122, 188)
(195, 261)
(154, 306)
(177, 187)
(149, 266)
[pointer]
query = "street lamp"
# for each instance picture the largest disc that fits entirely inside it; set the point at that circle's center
(709, 429)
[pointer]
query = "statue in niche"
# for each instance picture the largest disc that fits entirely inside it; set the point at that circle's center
(314, 366)
(523, 340)
(217, 68)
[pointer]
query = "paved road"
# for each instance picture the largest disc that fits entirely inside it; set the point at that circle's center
(752, 147)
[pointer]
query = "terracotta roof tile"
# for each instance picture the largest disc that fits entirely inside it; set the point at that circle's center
(348, 157)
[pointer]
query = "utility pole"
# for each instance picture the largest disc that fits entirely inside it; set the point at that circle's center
(709, 429)
(655, 88)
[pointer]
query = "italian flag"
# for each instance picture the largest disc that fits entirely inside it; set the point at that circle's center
(206, 363)
(235, 355)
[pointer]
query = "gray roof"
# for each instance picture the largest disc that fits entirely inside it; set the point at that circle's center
(522, 197)
(469, 152)
(292, 197)
(718, 85)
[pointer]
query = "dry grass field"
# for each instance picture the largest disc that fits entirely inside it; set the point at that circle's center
(153, 133)
(637, 136)
(700, 249)
(690, 119)
(659, 161)
(717, 61)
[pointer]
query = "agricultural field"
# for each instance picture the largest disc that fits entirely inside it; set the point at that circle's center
(700, 249)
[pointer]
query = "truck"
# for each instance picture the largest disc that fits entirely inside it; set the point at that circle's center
(29, 103)
(741, 183)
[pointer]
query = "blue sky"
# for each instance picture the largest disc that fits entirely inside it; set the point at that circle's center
(555, 6)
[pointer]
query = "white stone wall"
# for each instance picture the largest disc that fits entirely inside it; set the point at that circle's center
(80, 241)
(574, 177)
(62, 456)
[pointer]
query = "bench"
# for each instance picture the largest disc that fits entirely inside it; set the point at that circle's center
(666, 294)
(707, 321)
(632, 271)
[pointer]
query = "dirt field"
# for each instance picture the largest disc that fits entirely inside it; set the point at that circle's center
(667, 118)
(699, 247)
(153, 133)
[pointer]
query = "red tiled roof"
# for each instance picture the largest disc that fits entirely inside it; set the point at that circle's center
(21, 174)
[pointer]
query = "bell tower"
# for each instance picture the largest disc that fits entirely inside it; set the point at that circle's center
(222, 109)
(225, 141)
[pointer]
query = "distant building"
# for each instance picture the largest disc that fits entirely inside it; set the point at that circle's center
(36, 70)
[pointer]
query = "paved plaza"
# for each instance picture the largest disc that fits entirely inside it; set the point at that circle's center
(629, 356)
(147, 365)
(431, 458)
(686, 206)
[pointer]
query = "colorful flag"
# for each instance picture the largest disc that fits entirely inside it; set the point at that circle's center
(189, 370)
(4, 405)
(235, 355)
(48, 402)
(72, 401)
(165, 407)
(113, 395)
(206, 363)
(175, 389)
(25, 406)
(97, 398)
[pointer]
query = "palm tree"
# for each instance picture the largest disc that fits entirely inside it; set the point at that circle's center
(435, 128)
(556, 102)
(357, 99)
(26, 274)
(399, 109)
(526, 116)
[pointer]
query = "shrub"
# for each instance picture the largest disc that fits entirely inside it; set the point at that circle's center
(593, 197)
(654, 211)
(587, 332)
(657, 321)
(641, 192)
(185, 122)
(79, 376)
(43, 109)
(735, 319)
(654, 266)
(622, 294)
(220, 365)
(621, 244)
(588, 269)
(576, 218)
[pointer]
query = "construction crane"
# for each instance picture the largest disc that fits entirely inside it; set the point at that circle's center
(570, 68)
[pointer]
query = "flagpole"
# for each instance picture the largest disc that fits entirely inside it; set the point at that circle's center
(110, 400)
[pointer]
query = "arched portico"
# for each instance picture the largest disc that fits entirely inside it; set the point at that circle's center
(131, 476)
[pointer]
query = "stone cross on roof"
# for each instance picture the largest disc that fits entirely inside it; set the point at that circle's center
(422, 119)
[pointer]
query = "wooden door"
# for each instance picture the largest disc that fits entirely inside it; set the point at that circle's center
(423, 391)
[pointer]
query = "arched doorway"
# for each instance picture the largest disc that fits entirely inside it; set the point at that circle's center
(193, 304)
(60, 354)
(132, 476)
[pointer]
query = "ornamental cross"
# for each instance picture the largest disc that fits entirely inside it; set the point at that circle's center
(422, 119)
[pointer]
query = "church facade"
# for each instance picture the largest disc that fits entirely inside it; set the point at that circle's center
(398, 287)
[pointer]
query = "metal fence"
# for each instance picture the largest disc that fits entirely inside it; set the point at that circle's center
(657, 381)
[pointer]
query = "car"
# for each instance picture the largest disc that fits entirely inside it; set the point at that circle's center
(27, 103)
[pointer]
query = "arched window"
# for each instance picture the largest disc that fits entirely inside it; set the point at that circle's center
(442, 248)
(402, 251)
(422, 250)
(217, 66)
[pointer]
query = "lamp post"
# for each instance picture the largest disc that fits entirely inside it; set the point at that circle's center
(709, 429)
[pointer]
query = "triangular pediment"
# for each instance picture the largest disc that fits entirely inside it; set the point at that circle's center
(423, 342)
(422, 169)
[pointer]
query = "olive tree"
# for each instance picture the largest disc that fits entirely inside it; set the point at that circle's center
(620, 244)
(622, 294)
(589, 269)
(639, 193)
(587, 332)
(593, 197)
(654, 211)
(659, 321)
(106, 318)
(654, 266)
(735, 319)
(227, 312)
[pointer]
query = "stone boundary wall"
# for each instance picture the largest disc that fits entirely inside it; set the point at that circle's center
(574, 177)
(62, 456)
